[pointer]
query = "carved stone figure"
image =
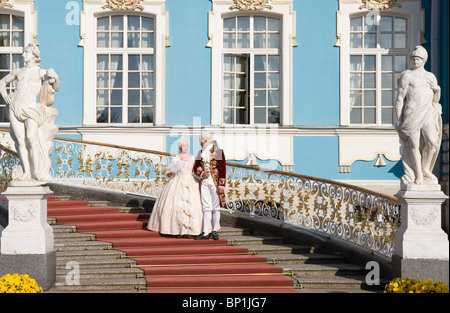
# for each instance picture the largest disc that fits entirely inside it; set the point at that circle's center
(419, 120)
(32, 123)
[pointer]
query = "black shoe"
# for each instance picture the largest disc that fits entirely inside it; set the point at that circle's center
(215, 235)
(203, 236)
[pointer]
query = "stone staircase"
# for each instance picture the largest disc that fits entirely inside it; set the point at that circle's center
(310, 271)
(101, 268)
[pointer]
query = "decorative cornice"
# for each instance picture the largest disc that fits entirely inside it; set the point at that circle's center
(5, 4)
(250, 5)
(382, 5)
(124, 5)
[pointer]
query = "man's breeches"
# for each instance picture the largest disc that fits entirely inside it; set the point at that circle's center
(210, 198)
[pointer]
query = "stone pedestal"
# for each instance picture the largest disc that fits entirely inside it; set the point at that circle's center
(421, 249)
(40, 267)
(27, 243)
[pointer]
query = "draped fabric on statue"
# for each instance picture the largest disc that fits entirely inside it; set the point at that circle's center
(45, 116)
(414, 123)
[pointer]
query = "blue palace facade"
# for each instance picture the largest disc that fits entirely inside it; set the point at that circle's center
(302, 86)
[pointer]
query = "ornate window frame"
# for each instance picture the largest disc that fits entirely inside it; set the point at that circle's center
(360, 142)
(282, 9)
(348, 9)
(25, 9)
(91, 11)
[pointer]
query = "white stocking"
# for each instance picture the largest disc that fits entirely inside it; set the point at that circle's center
(207, 222)
(216, 220)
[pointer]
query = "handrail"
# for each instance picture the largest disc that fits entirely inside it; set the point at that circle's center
(357, 215)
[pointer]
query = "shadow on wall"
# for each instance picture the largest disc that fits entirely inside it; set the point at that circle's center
(397, 170)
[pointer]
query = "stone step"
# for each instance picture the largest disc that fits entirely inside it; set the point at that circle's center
(81, 245)
(278, 249)
(96, 263)
(101, 203)
(239, 240)
(301, 258)
(101, 272)
(226, 231)
(317, 270)
(336, 291)
(73, 236)
(105, 284)
(77, 255)
(334, 282)
(58, 229)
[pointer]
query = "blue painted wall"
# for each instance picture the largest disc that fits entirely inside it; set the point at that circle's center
(444, 59)
(316, 64)
(318, 157)
(58, 43)
(188, 63)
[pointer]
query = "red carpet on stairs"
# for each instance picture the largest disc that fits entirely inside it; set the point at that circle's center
(174, 265)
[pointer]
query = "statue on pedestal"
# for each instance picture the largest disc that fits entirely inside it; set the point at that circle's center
(32, 123)
(419, 120)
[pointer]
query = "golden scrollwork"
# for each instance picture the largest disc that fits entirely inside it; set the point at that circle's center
(5, 4)
(250, 5)
(383, 5)
(126, 5)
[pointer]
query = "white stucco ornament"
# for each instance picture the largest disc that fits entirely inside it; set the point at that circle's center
(32, 122)
(383, 5)
(250, 5)
(419, 120)
(5, 4)
(123, 5)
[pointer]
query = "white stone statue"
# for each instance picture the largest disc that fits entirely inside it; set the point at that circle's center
(419, 120)
(32, 123)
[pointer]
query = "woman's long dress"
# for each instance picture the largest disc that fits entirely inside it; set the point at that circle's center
(178, 211)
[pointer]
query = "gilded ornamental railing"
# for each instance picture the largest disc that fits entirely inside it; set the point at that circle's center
(347, 212)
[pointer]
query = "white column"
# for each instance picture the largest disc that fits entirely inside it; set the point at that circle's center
(28, 231)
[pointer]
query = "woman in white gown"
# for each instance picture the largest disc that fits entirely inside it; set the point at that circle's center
(178, 210)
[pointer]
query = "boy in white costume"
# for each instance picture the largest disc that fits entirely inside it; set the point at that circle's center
(210, 167)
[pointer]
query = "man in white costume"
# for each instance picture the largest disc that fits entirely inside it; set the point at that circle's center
(419, 120)
(210, 167)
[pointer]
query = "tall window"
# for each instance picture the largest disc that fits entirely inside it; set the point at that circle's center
(125, 89)
(251, 70)
(11, 48)
(378, 54)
